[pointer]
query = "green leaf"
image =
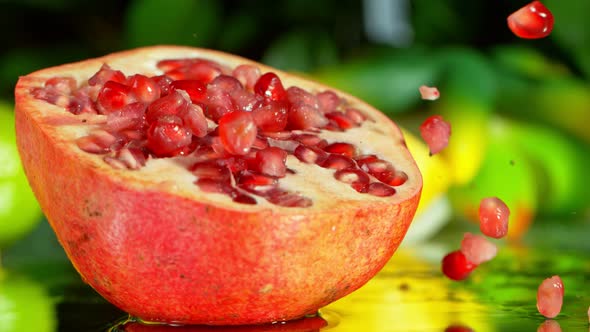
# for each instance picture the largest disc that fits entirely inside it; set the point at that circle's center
(181, 22)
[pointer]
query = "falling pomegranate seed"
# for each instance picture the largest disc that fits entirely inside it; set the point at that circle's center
(532, 21)
(237, 132)
(436, 132)
(549, 325)
(493, 217)
(456, 266)
(550, 297)
(477, 249)
(429, 93)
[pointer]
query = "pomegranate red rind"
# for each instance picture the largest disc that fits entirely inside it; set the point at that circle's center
(156, 245)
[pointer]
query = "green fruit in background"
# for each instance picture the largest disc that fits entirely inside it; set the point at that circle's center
(507, 174)
(560, 163)
(19, 210)
(25, 305)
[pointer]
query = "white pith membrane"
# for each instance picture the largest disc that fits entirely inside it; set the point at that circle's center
(376, 136)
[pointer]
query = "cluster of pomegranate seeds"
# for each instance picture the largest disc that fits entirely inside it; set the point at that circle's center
(532, 21)
(550, 297)
(435, 132)
(238, 125)
(493, 217)
(429, 93)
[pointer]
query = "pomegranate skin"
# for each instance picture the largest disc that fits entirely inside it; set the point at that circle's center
(163, 254)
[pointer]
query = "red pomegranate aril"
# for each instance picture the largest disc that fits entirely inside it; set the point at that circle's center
(52, 95)
(164, 82)
(81, 101)
(380, 189)
(234, 163)
(391, 177)
(248, 75)
(237, 132)
(436, 132)
(311, 140)
(456, 266)
(63, 85)
(201, 71)
(288, 199)
(114, 96)
(129, 117)
(105, 74)
(272, 161)
(196, 90)
(310, 154)
(211, 169)
(144, 88)
(213, 186)
(243, 198)
(429, 93)
(477, 249)
(246, 101)
(255, 182)
(550, 297)
(345, 149)
(493, 217)
(131, 158)
(341, 120)
(168, 138)
(97, 142)
(328, 101)
(298, 96)
(355, 116)
(270, 87)
(352, 175)
(337, 161)
(305, 117)
(226, 83)
(260, 143)
(272, 117)
(219, 103)
(532, 21)
(171, 104)
(194, 119)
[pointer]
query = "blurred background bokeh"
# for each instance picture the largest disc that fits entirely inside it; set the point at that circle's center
(519, 108)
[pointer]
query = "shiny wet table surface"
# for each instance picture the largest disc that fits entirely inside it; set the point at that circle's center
(409, 294)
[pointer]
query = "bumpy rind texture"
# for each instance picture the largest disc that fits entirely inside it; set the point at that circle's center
(164, 254)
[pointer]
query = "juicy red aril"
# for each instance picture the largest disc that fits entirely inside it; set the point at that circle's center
(211, 169)
(255, 182)
(355, 115)
(272, 161)
(196, 90)
(289, 199)
(357, 179)
(237, 132)
(172, 104)
(272, 117)
(63, 85)
(105, 74)
(391, 177)
(550, 297)
(243, 198)
(114, 96)
(311, 140)
(298, 96)
(456, 266)
(164, 82)
(168, 138)
(477, 249)
(306, 117)
(341, 120)
(129, 117)
(328, 101)
(380, 189)
(429, 93)
(345, 149)
(337, 161)
(213, 186)
(493, 217)
(194, 119)
(435, 131)
(219, 103)
(201, 70)
(145, 89)
(270, 87)
(248, 75)
(531, 21)
(310, 154)
(98, 142)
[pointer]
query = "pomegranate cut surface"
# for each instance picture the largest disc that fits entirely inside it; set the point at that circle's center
(550, 297)
(200, 191)
(532, 21)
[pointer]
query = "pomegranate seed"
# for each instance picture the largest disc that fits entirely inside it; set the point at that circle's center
(144, 88)
(310, 154)
(337, 161)
(429, 93)
(129, 158)
(211, 169)
(204, 71)
(550, 297)
(246, 101)
(297, 96)
(129, 117)
(226, 83)
(352, 175)
(247, 75)
(435, 131)
(97, 142)
(288, 199)
(311, 140)
(172, 104)
(219, 103)
(477, 249)
(493, 217)
(341, 120)
(391, 177)
(164, 82)
(345, 149)
(356, 116)
(114, 96)
(272, 117)
(306, 117)
(380, 189)
(270, 87)
(196, 90)
(105, 74)
(213, 186)
(63, 85)
(531, 21)
(52, 95)
(82, 101)
(167, 137)
(170, 64)
(456, 266)
(237, 132)
(194, 119)
(328, 101)
(234, 163)
(549, 325)
(256, 183)
(243, 198)
(271, 161)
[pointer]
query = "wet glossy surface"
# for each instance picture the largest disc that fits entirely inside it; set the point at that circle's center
(409, 294)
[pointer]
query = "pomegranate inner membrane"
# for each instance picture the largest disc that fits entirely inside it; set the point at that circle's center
(238, 131)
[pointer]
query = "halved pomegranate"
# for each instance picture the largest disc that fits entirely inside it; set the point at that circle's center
(174, 219)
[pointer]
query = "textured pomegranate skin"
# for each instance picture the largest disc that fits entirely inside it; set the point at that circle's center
(162, 256)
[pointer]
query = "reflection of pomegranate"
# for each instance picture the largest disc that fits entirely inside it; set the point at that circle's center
(187, 187)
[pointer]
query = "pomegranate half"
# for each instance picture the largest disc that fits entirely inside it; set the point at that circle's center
(259, 237)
